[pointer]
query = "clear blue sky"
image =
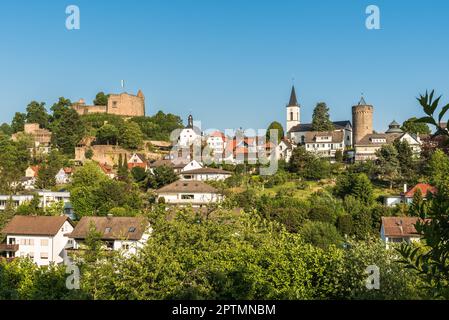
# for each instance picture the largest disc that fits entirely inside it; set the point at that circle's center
(229, 62)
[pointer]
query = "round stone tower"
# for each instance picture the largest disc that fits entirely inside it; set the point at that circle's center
(362, 120)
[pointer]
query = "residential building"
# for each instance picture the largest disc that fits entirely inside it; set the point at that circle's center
(299, 133)
(64, 176)
(325, 144)
(126, 234)
(284, 150)
(137, 160)
(41, 138)
(367, 147)
(407, 196)
(46, 197)
(41, 238)
(205, 174)
(216, 142)
(178, 166)
(107, 170)
(184, 193)
(399, 229)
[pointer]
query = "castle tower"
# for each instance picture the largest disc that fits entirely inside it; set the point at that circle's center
(293, 111)
(362, 120)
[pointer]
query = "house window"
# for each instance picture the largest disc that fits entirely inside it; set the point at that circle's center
(27, 242)
(187, 197)
(109, 244)
(291, 116)
(44, 255)
(12, 240)
(108, 230)
(125, 246)
(114, 104)
(44, 243)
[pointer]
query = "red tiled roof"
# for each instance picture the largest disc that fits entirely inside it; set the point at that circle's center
(105, 168)
(134, 165)
(425, 189)
(218, 134)
(400, 226)
(68, 170)
(35, 225)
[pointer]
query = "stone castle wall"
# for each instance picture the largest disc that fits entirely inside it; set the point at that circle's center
(126, 105)
(123, 104)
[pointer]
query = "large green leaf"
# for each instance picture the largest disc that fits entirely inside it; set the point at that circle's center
(442, 113)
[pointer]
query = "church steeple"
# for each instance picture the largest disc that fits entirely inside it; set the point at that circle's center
(190, 121)
(293, 111)
(293, 100)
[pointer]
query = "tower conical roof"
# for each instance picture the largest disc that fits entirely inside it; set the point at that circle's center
(293, 100)
(362, 102)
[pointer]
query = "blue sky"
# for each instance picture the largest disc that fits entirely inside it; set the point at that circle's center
(229, 62)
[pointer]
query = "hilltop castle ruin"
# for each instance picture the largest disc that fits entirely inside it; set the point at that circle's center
(124, 104)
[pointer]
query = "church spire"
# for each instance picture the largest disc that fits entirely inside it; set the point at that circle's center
(293, 100)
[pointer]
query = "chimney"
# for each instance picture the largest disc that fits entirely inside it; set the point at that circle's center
(405, 188)
(109, 216)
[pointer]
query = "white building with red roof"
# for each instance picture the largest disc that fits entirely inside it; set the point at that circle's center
(399, 229)
(406, 196)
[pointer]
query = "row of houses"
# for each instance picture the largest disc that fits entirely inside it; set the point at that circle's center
(55, 240)
(52, 240)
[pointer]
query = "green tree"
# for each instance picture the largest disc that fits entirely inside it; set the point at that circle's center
(320, 234)
(107, 134)
(14, 159)
(89, 154)
(430, 260)
(139, 174)
(320, 118)
(6, 129)
(36, 113)
(101, 99)
(18, 122)
(67, 128)
(159, 126)
(131, 136)
(123, 171)
(278, 128)
(439, 168)
(362, 189)
(413, 126)
(161, 176)
(388, 164)
(46, 177)
(339, 156)
(407, 164)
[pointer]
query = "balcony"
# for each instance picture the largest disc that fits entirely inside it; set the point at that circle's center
(9, 247)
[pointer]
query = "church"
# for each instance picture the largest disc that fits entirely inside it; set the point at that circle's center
(324, 144)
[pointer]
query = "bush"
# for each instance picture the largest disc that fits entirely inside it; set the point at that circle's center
(320, 234)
